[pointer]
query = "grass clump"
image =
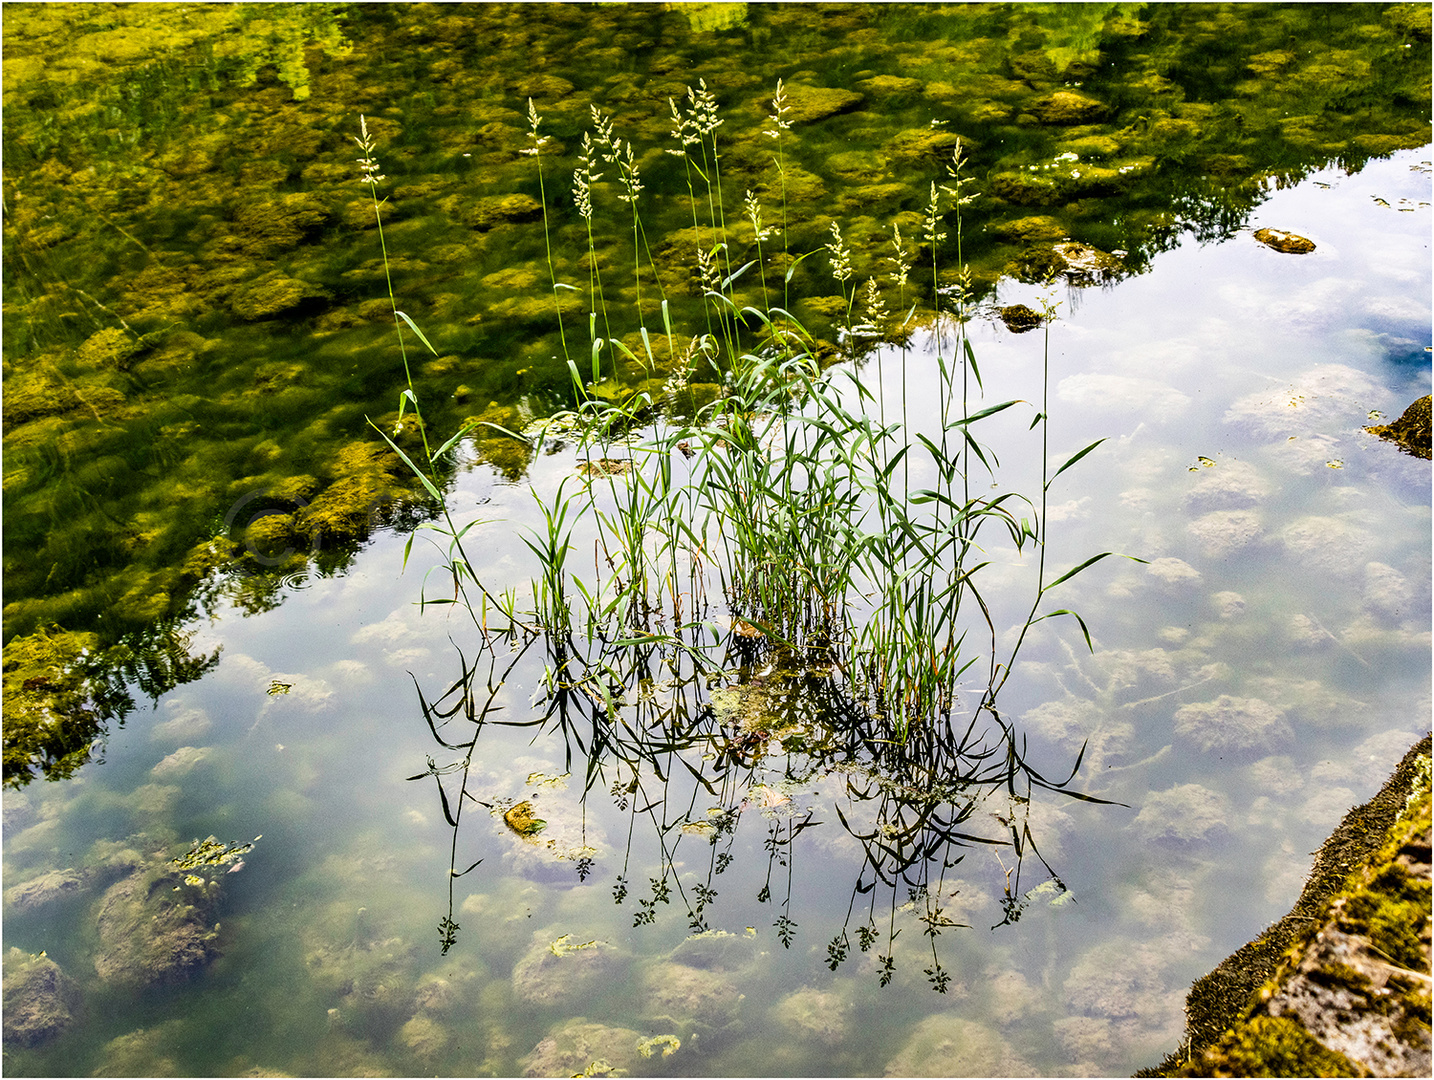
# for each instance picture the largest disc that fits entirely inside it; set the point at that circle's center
(757, 497)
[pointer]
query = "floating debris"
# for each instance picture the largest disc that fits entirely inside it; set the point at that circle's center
(565, 945)
(522, 820)
(669, 1044)
(211, 852)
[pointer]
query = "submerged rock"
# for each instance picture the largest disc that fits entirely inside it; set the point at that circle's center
(814, 1014)
(1068, 107)
(949, 1046)
(1019, 318)
(716, 950)
(155, 929)
(563, 971)
(1181, 816)
(141, 1053)
(811, 103)
(273, 295)
(1411, 432)
(40, 999)
(1233, 724)
(686, 996)
(1287, 243)
(580, 1047)
(42, 890)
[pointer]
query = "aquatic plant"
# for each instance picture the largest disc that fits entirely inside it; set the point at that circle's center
(766, 524)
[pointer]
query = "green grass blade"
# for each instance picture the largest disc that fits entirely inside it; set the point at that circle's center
(414, 327)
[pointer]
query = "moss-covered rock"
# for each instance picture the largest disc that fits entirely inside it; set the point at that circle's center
(1068, 107)
(155, 928)
(808, 104)
(40, 1000)
(274, 294)
(1019, 318)
(1286, 243)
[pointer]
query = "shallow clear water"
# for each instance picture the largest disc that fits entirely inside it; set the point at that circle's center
(1261, 674)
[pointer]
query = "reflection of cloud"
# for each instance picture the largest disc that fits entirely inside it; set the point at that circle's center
(353, 671)
(183, 726)
(1071, 510)
(1155, 400)
(1331, 397)
(1228, 604)
(1224, 531)
(1171, 570)
(390, 631)
(1327, 805)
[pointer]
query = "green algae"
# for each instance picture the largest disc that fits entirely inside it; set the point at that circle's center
(197, 308)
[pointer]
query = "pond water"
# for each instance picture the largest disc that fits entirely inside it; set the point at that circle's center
(1261, 674)
(726, 881)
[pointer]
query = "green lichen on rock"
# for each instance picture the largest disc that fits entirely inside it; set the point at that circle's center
(1272, 1046)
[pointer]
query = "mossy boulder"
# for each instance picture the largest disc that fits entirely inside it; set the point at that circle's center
(1082, 263)
(1034, 227)
(1019, 318)
(560, 971)
(923, 145)
(45, 889)
(579, 1047)
(691, 998)
(268, 226)
(275, 294)
(40, 999)
(1286, 243)
(1068, 107)
(502, 210)
(155, 929)
(892, 89)
(1411, 432)
(111, 348)
(945, 1045)
(808, 104)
